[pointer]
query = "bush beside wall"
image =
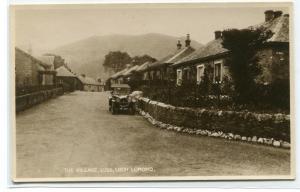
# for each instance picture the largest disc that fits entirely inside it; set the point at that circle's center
(244, 123)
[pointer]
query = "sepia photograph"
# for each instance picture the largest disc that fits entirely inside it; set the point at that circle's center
(148, 92)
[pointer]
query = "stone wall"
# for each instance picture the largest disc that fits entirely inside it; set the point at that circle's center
(248, 124)
(26, 101)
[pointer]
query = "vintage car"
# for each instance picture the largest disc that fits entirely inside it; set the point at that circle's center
(120, 99)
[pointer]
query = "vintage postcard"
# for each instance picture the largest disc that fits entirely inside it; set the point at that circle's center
(136, 92)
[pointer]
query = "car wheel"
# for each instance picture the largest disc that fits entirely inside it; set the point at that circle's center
(113, 109)
(131, 111)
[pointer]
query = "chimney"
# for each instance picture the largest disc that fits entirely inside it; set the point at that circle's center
(179, 45)
(277, 14)
(218, 34)
(269, 15)
(187, 41)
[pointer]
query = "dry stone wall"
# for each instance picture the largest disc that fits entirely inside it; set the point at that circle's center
(271, 129)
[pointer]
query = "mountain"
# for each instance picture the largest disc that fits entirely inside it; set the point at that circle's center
(87, 55)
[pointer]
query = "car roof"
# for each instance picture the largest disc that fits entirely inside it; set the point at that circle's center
(120, 86)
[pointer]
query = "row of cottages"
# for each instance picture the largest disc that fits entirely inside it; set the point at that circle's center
(31, 71)
(188, 66)
(155, 72)
(70, 81)
(213, 58)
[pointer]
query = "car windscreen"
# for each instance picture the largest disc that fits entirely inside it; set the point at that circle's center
(121, 91)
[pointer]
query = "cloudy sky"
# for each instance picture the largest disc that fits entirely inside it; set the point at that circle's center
(44, 27)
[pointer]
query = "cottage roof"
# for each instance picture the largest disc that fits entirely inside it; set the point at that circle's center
(62, 71)
(143, 67)
(130, 70)
(118, 74)
(172, 58)
(47, 59)
(41, 66)
(279, 26)
(88, 80)
(212, 48)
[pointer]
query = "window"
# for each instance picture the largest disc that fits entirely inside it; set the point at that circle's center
(179, 77)
(200, 73)
(218, 73)
(186, 74)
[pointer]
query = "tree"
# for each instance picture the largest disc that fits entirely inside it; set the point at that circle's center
(116, 60)
(138, 60)
(243, 65)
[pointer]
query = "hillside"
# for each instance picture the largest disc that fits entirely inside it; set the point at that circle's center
(87, 55)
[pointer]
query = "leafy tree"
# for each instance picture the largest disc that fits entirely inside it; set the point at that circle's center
(138, 60)
(243, 65)
(116, 60)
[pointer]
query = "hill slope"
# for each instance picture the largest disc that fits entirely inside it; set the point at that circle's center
(87, 55)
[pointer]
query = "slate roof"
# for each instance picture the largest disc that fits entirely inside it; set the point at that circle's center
(170, 59)
(130, 70)
(212, 48)
(118, 74)
(143, 67)
(47, 59)
(62, 71)
(279, 26)
(41, 66)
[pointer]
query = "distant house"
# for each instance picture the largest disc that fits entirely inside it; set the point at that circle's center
(90, 84)
(30, 71)
(67, 79)
(213, 58)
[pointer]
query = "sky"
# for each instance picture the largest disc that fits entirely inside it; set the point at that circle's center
(43, 28)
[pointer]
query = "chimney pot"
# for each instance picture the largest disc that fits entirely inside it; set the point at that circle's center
(218, 34)
(179, 45)
(269, 15)
(187, 41)
(277, 14)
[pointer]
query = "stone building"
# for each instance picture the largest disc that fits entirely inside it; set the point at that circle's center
(213, 58)
(67, 79)
(30, 71)
(161, 71)
(90, 84)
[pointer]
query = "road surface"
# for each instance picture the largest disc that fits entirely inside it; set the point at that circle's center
(74, 135)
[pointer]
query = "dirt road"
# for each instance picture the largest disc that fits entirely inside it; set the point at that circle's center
(74, 135)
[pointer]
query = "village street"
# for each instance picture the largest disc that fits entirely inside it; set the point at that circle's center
(75, 135)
